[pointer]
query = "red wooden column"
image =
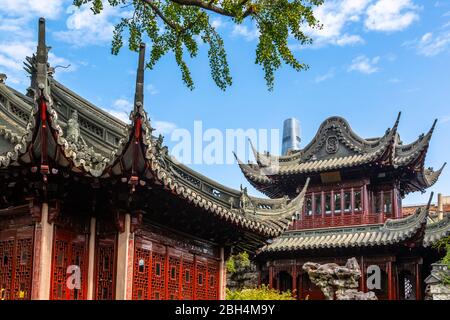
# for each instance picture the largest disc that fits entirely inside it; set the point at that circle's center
(352, 205)
(42, 259)
(277, 279)
(313, 209)
(382, 206)
(366, 203)
(332, 207)
(125, 256)
(271, 277)
(322, 204)
(397, 211)
(391, 288)
(365, 200)
(91, 260)
(418, 282)
(294, 280)
(222, 275)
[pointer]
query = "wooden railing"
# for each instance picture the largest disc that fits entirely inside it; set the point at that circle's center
(310, 222)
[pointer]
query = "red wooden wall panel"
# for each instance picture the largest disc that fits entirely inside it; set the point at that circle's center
(16, 264)
(165, 273)
(105, 272)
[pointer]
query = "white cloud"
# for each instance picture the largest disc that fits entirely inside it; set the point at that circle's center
(121, 115)
(334, 17)
(123, 104)
(18, 38)
(341, 19)
(14, 27)
(31, 8)
(152, 89)
(329, 75)
(364, 64)
(121, 109)
(12, 56)
(430, 45)
(217, 23)
(245, 32)
(85, 28)
(349, 40)
(163, 127)
(389, 15)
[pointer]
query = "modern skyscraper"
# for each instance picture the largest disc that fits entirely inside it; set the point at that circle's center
(291, 135)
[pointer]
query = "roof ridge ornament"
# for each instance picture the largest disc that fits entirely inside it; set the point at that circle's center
(138, 118)
(394, 141)
(41, 62)
(139, 91)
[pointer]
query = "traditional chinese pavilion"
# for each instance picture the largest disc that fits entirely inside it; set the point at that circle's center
(93, 208)
(353, 208)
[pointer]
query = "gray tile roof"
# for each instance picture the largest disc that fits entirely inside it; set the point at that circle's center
(390, 233)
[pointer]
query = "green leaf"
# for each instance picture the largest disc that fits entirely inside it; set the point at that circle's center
(170, 26)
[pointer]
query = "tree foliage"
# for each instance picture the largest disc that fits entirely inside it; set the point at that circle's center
(261, 293)
(177, 25)
(240, 261)
(444, 244)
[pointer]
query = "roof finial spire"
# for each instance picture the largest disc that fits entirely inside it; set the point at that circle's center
(397, 121)
(41, 58)
(139, 94)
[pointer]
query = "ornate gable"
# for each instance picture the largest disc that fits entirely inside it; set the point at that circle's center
(336, 139)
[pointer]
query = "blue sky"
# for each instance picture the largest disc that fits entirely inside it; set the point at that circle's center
(373, 59)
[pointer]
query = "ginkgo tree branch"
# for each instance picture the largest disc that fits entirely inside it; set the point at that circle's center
(155, 8)
(178, 26)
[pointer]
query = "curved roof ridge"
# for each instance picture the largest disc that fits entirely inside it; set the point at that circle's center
(347, 135)
(24, 140)
(436, 231)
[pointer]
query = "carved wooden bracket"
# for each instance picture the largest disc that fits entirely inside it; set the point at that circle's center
(137, 219)
(54, 209)
(119, 221)
(35, 209)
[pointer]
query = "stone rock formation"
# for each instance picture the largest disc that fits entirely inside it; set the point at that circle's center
(338, 282)
(245, 275)
(437, 287)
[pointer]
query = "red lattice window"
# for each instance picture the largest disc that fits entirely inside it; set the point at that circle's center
(78, 258)
(201, 291)
(158, 276)
(23, 268)
(68, 250)
(6, 268)
(174, 278)
(16, 264)
(60, 263)
(141, 273)
(105, 271)
(188, 280)
(213, 280)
